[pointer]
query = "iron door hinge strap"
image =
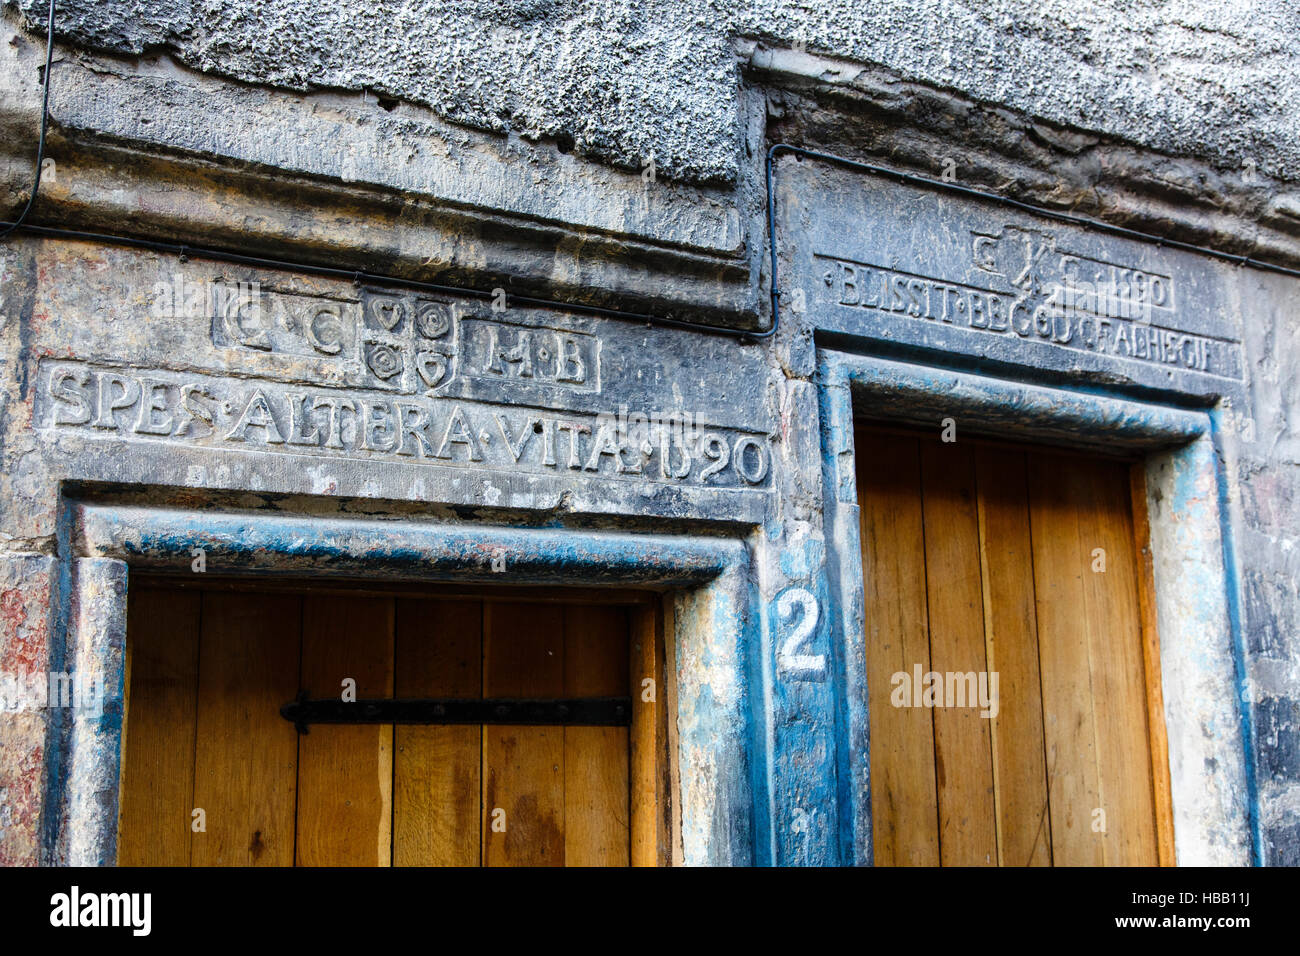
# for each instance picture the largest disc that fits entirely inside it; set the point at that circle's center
(576, 712)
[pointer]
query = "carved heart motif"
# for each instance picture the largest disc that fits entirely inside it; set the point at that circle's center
(432, 367)
(387, 312)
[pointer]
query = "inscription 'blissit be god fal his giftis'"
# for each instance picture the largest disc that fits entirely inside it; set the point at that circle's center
(1113, 315)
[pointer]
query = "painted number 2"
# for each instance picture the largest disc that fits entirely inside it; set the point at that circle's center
(797, 615)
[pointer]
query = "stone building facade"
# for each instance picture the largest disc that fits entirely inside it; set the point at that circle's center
(593, 294)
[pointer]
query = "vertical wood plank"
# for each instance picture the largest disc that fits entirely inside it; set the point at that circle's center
(650, 824)
(345, 772)
(1069, 723)
(1115, 633)
(962, 740)
(438, 652)
(246, 753)
(523, 767)
(1011, 641)
(596, 798)
(162, 703)
(1160, 777)
(904, 803)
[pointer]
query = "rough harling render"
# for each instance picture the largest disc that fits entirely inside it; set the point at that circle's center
(320, 414)
(624, 79)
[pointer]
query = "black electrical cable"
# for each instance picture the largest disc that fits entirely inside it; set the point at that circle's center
(10, 227)
(185, 252)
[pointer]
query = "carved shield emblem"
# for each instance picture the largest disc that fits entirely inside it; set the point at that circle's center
(432, 367)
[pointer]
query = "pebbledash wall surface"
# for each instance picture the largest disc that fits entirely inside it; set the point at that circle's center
(615, 156)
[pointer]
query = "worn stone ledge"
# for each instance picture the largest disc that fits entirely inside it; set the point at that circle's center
(343, 181)
(893, 390)
(875, 116)
(152, 538)
(340, 179)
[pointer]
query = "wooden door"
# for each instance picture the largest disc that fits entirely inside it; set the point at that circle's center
(999, 573)
(213, 775)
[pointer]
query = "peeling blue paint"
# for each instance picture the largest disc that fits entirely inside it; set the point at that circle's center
(721, 717)
(54, 809)
(1245, 707)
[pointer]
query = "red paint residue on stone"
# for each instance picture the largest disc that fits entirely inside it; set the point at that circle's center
(19, 652)
(13, 612)
(20, 804)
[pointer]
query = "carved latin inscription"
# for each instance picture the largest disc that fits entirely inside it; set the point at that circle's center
(205, 411)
